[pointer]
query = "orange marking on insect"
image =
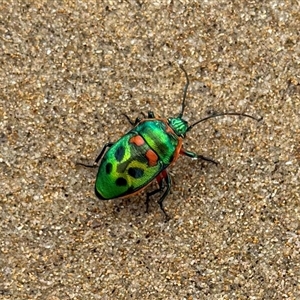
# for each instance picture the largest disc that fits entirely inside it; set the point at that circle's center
(137, 140)
(152, 158)
(161, 176)
(169, 129)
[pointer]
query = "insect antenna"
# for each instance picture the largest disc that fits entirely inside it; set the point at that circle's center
(208, 117)
(223, 114)
(184, 91)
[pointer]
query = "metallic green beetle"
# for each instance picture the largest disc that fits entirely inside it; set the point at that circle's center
(143, 154)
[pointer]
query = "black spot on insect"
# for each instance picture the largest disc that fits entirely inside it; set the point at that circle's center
(130, 190)
(108, 168)
(119, 153)
(121, 181)
(136, 172)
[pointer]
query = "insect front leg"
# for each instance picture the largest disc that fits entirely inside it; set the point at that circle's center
(95, 164)
(164, 182)
(197, 156)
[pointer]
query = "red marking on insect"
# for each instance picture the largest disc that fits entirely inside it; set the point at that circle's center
(169, 129)
(152, 158)
(162, 175)
(137, 140)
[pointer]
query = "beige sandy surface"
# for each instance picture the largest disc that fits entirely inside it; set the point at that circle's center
(68, 72)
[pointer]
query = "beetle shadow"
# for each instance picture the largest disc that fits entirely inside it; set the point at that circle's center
(136, 206)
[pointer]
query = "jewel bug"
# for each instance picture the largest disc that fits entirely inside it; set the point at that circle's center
(144, 153)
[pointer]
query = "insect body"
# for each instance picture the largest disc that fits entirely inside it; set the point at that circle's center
(143, 154)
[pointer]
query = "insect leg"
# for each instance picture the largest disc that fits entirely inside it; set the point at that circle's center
(151, 115)
(95, 164)
(197, 156)
(163, 176)
(133, 123)
(138, 120)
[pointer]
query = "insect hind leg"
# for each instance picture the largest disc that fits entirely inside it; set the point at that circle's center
(164, 183)
(95, 164)
(151, 115)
